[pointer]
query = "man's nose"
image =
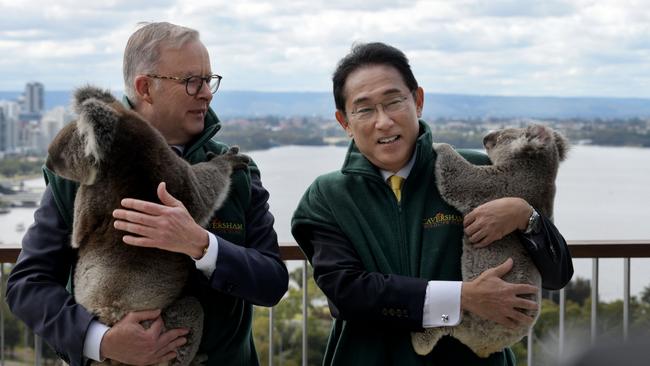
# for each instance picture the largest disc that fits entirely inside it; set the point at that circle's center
(204, 92)
(383, 120)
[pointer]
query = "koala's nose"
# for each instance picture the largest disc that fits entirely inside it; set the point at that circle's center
(48, 162)
(489, 140)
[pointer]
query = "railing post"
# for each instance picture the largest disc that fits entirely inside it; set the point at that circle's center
(626, 297)
(304, 313)
(38, 350)
(594, 298)
(270, 336)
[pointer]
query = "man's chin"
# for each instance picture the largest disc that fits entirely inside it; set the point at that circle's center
(195, 127)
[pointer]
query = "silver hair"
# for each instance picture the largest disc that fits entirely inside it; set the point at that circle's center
(142, 52)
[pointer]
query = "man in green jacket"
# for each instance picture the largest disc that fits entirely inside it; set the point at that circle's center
(384, 246)
(169, 81)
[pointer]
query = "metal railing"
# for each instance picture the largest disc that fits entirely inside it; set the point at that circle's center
(594, 249)
(579, 249)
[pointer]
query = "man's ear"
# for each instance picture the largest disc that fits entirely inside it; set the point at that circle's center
(143, 87)
(419, 101)
(343, 121)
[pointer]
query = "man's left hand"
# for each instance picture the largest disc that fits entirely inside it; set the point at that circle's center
(167, 226)
(495, 219)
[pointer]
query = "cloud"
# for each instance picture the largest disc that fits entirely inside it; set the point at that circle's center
(513, 47)
(521, 8)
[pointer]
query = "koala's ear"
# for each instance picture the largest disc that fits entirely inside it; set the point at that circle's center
(562, 145)
(87, 92)
(97, 124)
(539, 133)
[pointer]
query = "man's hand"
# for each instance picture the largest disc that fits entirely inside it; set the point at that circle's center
(495, 219)
(168, 226)
(489, 297)
(130, 343)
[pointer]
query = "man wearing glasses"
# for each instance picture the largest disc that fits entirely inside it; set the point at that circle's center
(168, 80)
(385, 247)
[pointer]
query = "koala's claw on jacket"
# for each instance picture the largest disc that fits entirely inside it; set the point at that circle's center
(237, 160)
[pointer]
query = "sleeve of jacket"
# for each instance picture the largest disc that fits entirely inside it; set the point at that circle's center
(550, 253)
(355, 294)
(254, 272)
(36, 288)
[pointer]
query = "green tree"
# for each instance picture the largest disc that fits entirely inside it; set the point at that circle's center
(645, 295)
(11, 167)
(578, 290)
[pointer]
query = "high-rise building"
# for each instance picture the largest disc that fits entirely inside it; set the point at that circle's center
(34, 98)
(9, 125)
(3, 131)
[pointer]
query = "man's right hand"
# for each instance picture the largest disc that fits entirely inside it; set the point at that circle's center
(490, 297)
(130, 343)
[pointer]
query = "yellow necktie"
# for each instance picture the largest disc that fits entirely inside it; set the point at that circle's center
(396, 185)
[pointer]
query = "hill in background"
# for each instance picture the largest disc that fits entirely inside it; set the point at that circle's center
(230, 104)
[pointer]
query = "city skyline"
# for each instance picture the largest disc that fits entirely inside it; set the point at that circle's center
(26, 125)
(501, 47)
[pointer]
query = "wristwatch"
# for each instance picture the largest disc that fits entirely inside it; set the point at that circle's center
(533, 223)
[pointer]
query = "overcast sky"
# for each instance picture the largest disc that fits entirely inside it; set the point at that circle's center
(492, 47)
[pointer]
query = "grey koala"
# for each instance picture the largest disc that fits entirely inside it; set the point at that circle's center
(525, 163)
(113, 153)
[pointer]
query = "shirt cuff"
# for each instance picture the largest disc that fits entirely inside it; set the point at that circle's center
(441, 304)
(93, 340)
(208, 262)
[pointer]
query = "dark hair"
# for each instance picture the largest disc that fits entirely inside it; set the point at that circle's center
(365, 54)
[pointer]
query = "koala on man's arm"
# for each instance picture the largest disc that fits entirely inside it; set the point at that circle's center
(113, 153)
(524, 164)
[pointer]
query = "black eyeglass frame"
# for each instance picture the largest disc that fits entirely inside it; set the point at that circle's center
(204, 80)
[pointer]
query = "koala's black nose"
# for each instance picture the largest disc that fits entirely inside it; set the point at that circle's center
(49, 163)
(489, 140)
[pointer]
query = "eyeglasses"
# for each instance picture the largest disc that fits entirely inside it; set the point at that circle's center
(365, 113)
(193, 84)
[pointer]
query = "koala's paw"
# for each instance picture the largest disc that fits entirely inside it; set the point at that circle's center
(423, 342)
(237, 160)
(233, 150)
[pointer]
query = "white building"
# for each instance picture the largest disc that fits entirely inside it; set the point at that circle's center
(9, 126)
(53, 121)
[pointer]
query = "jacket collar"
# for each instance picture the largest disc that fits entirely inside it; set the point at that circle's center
(356, 163)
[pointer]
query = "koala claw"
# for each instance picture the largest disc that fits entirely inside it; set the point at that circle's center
(237, 160)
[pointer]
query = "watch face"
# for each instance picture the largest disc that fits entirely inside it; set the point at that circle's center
(535, 222)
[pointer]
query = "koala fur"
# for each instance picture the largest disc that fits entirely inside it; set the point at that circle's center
(113, 153)
(525, 163)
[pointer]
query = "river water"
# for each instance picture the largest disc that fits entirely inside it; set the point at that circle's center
(603, 193)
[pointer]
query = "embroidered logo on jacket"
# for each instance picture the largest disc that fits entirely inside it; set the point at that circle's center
(441, 219)
(225, 226)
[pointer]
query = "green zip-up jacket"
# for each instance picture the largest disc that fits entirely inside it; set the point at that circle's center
(373, 256)
(248, 271)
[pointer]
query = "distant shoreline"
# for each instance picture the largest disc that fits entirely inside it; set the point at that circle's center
(235, 104)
